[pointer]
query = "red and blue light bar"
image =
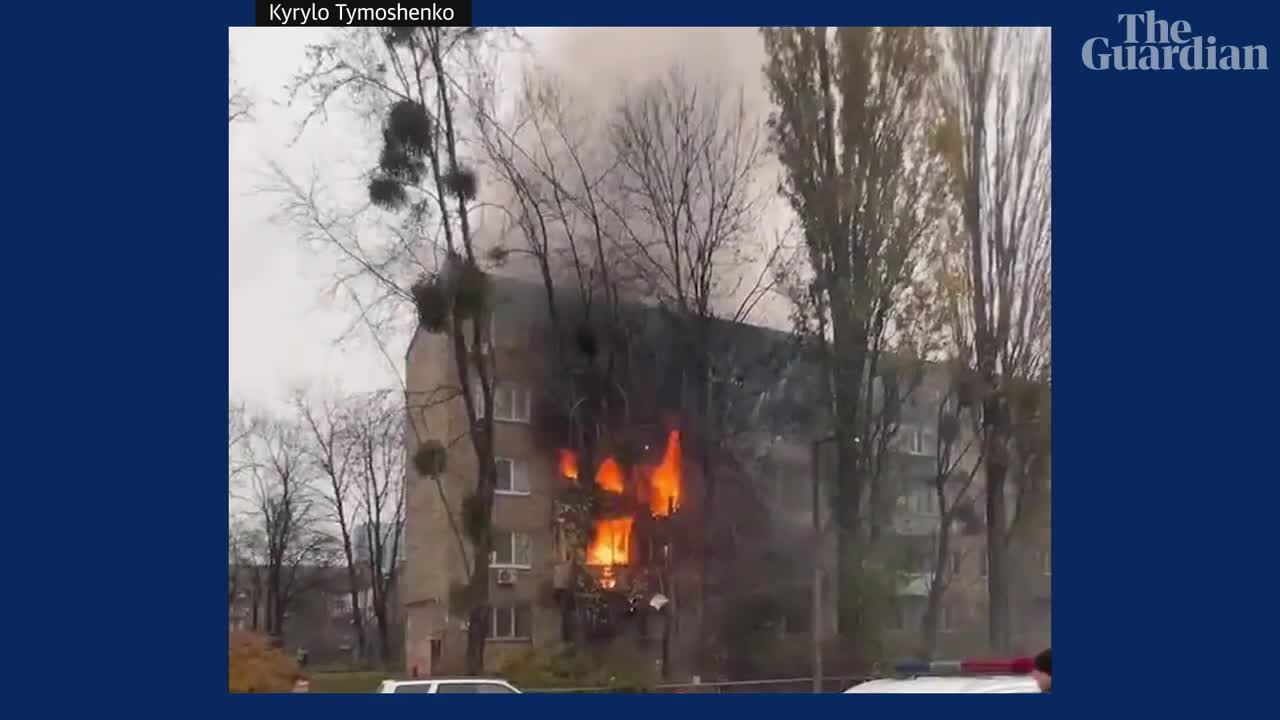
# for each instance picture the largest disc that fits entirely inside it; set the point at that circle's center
(1011, 666)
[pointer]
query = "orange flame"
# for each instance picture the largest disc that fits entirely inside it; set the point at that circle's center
(609, 476)
(568, 465)
(612, 542)
(664, 496)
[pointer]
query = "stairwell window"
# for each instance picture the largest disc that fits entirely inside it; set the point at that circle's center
(512, 550)
(513, 477)
(511, 402)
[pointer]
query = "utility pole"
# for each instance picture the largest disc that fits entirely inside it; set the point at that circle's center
(815, 624)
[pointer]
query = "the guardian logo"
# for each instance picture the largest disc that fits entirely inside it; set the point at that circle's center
(1153, 44)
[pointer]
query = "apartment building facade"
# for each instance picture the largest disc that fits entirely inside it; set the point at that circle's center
(775, 438)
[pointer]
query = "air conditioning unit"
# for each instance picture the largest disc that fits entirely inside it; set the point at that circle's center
(506, 576)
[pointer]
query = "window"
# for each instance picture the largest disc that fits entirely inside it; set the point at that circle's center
(513, 477)
(929, 441)
(510, 402)
(458, 688)
(413, 689)
(512, 549)
(921, 501)
(982, 563)
(947, 619)
(340, 606)
(915, 440)
(955, 562)
(493, 689)
(1046, 560)
(907, 438)
(510, 623)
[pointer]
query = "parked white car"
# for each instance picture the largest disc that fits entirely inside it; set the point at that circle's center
(481, 686)
(965, 676)
(948, 685)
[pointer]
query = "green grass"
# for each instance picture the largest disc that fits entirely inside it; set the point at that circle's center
(347, 682)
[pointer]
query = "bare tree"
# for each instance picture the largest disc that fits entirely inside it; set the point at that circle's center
(378, 432)
(997, 145)
(284, 516)
(413, 79)
(328, 441)
(688, 205)
(956, 464)
(660, 200)
(235, 565)
(687, 198)
(239, 104)
(852, 127)
(239, 429)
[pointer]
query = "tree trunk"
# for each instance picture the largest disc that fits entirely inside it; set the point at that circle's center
(384, 635)
(478, 590)
(997, 521)
(937, 586)
(848, 484)
(357, 617)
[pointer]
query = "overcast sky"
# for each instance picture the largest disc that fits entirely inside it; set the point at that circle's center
(281, 328)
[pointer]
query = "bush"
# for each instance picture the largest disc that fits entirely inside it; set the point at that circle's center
(255, 666)
(565, 667)
(347, 682)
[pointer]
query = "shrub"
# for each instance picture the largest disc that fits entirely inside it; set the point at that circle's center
(255, 666)
(565, 667)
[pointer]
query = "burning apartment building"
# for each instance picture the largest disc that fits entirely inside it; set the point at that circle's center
(657, 526)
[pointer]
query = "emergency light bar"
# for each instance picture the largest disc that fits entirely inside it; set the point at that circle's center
(1014, 666)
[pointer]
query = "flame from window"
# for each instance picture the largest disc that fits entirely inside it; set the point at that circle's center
(664, 495)
(609, 477)
(568, 465)
(612, 542)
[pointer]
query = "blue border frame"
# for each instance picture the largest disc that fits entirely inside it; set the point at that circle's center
(1164, 271)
